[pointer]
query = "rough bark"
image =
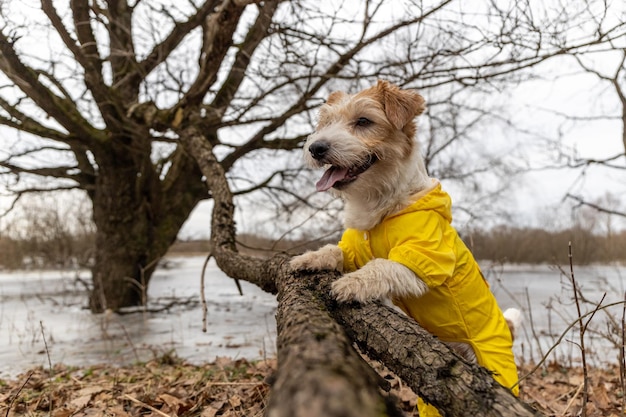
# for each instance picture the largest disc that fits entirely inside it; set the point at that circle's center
(135, 223)
(430, 368)
(320, 373)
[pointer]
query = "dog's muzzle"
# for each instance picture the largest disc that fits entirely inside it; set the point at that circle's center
(337, 176)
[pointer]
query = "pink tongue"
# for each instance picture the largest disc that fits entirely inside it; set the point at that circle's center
(330, 177)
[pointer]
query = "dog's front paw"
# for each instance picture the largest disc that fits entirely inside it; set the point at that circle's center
(308, 261)
(353, 287)
(328, 257)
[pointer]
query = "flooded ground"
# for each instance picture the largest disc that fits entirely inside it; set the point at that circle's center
(545, 295)
(39, 308)
(52, 304)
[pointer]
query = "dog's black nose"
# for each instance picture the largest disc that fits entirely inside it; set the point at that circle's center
(319, 149)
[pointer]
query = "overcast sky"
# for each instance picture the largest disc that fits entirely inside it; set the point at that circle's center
(538, 196)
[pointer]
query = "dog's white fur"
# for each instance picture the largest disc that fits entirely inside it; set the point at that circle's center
(400, 172)
(514, 320)
(385, 188)
(390, 184)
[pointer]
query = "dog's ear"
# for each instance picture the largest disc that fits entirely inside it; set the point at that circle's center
(335, 97)
(401, 106)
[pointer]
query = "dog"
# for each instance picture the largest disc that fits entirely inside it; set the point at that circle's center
(398, 242)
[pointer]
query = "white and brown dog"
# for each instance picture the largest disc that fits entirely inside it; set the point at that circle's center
(398, 242)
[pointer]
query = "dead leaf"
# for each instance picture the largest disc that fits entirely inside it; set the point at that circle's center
(235, 401)
(118, 411)
(89, 391)
(63, 412)
(81, 402)
(209, 411)
(89, 412)
(171, 401)
(601, 398)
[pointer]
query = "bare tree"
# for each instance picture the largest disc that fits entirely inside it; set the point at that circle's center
(136, 102)
(98, 94)
(613, 76)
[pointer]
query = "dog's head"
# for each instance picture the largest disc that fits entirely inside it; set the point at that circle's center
(358, 135)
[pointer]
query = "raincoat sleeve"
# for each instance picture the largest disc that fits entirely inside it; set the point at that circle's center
(424, 244)
(348, 244)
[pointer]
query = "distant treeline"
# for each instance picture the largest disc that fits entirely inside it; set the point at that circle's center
(57, 252)
(530, 245)
(501, 244)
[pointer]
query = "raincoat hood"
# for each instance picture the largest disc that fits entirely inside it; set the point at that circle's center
(433, 198)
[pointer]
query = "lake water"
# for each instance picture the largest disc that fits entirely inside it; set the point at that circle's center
(237, 326)
(39, 308)
(545, 296)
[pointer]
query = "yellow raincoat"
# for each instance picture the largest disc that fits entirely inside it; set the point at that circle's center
(459, 306)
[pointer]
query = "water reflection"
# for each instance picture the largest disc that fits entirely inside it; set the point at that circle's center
(545, 294)
(50, 305)
(35, 305)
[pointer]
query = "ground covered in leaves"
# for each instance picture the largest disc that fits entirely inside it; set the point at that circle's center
(168, 386)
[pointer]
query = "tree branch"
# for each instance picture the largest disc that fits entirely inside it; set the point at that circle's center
(237, 73)
(61, 109)
(438, 375)
(55, 172)
(104, 96)
(57, 24)
(162, 51)
(582, 202)
(218, 30)
(21, 122)
(323, 78)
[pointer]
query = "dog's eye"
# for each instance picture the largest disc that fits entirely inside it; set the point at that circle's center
(363, 122)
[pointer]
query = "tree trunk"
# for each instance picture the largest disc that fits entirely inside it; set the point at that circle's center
(320, 373)
(136, 223)
(426, 365)
(316, 359)
(442, 378)
(124, 213)
(120, 275)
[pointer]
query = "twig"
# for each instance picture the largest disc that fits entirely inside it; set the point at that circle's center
(540, 403)
(149, 407)
(596, 207)
(208, 384)
(562, 336)
(18, 393)
(593, 313)
(45, 343)
(622, 357)
(571, 401)
(301, 224)
(532, 323)
(581, 333)
(143, 284)
(130, 342)
(189, 301)
(202, 296)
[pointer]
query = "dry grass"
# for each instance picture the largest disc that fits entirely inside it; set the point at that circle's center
(168, 386)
